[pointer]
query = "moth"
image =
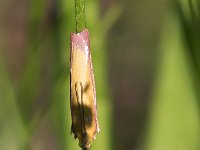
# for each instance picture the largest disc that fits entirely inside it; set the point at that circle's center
(82, 90)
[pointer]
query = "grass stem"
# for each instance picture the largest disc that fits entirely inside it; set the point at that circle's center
(80, 15)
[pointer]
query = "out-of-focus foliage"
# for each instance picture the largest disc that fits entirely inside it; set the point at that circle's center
(175, 122)
(189, 15)
(11, 127)
(34, 98)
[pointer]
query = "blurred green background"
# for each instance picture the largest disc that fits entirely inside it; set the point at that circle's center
(146, 58)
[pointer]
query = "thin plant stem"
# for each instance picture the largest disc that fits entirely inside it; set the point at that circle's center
(85, 148)
(80, 15)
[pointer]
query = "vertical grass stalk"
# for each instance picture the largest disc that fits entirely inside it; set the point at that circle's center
(80, 15)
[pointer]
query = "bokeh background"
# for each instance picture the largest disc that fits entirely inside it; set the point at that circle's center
(146, 58)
